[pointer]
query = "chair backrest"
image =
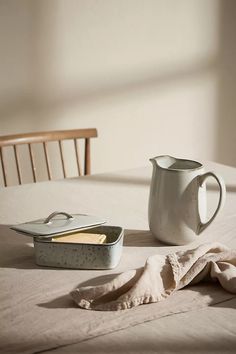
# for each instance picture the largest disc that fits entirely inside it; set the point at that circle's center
(44, 138)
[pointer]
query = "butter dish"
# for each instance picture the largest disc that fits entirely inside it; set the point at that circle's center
(54, 247)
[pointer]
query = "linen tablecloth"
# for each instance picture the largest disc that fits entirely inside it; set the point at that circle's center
(37, 313)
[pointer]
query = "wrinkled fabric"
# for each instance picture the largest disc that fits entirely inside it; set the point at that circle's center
(160, 277)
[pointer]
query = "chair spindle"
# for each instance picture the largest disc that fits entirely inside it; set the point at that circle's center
(3, 168)
(32, 162)
(62, 158)
(45, 147)
(77, 156)
(17, 164)
(87, 168)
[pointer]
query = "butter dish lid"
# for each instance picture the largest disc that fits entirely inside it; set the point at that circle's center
(58, 223)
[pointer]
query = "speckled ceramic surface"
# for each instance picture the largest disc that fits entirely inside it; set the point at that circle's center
(73, 255)
(81, 255)
(178, 200)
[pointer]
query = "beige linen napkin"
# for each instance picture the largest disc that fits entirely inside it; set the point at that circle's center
(161, 276)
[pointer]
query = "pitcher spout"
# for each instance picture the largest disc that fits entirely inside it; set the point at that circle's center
(164, 161)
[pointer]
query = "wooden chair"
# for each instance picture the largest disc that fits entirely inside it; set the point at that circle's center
(30, 139)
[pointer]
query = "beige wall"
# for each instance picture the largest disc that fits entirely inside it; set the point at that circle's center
(154, 76)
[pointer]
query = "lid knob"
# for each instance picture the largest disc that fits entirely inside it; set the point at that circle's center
(55, 213)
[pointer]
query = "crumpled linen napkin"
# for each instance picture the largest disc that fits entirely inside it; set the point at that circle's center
(160, 277)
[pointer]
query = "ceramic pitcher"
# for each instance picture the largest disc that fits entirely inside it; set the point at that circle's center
(177, 201)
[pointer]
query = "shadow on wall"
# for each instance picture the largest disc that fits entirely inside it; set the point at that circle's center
(34, 101)
(37, 102)
(34, 98)
(148, 82)
(226, 134)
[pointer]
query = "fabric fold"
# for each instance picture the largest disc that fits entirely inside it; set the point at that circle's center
(161, 276)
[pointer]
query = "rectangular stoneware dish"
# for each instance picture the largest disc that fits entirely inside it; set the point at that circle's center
(53, 250)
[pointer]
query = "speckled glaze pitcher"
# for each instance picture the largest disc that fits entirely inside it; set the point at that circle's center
(177, 201)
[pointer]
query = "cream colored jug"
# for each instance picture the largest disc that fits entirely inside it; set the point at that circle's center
(177, 201)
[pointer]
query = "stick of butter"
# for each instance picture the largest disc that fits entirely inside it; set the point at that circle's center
(81, 237)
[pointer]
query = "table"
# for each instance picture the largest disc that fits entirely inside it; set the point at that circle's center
(37, 314)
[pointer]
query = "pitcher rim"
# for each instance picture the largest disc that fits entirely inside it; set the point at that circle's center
(200, 165)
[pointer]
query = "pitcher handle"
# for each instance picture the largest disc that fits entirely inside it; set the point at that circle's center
(220, 181)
